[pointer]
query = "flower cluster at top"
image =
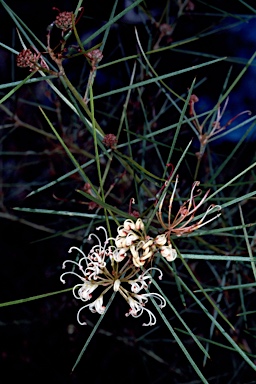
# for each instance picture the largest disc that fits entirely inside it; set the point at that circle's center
(121, 263)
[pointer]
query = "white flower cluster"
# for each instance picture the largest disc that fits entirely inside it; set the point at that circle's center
(118, 267)
(120, 262)
(133, 240)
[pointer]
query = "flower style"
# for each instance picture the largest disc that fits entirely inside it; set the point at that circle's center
(100, 268)
(138, 306)
(180, 224)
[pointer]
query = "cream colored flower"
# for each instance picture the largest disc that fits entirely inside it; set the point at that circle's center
(168, 252)
(137, 306)
(160, 240)
(133, 240)
(101, 270)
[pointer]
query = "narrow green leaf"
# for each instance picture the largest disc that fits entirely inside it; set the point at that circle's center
(249, 248)
(221, 329)
(105, 205)
(93, 331)
(12, 91)
(179, 342)
(32, 298)
(153, 80)
(72, 158)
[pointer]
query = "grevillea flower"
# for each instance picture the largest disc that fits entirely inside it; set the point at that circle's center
(133, 240)
(101, 270)
(137, 306)
(183, 221)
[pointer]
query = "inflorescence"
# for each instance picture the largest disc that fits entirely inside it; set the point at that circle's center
(102, 268)
(121, 263)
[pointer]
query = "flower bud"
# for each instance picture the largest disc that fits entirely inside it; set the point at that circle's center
(129, 224)
(147, 244)
(139, 225)
(168, 252)
(160, 240)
